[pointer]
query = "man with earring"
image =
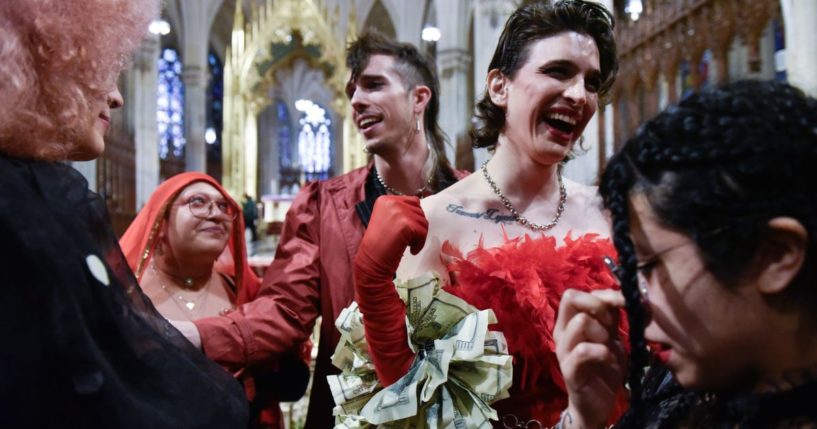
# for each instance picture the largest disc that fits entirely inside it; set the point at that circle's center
(394, 93)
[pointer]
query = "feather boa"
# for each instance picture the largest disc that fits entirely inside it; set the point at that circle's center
(523, 280)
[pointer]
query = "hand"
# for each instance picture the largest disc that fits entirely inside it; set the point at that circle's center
(591, 355)
(396, 223)
(189, 330)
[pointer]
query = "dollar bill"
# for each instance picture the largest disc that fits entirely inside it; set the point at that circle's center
(460, 367)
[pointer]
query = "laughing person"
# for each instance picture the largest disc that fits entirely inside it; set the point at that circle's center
(394, 94)
(515, 234)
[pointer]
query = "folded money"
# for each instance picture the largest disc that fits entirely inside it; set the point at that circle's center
(460, 367)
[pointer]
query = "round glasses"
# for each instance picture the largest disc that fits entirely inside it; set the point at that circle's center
(202, 208)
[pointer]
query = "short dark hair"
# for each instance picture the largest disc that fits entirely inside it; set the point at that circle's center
(536, 20)
(716, 168)
(414, 69)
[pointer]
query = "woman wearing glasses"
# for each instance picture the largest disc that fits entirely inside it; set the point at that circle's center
(187, 250)
(186, 247)
(82, 346)
(714, 207)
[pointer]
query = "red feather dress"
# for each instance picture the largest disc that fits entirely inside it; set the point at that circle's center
(523, 281)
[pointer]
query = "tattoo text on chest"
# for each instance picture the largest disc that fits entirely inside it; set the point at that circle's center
(490, 214)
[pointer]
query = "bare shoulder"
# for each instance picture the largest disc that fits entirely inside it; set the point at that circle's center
(585, 209)
(466, 193)
(454, 216)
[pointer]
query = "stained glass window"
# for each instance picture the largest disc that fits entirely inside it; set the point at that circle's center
(289, 173)
(215, 113)
(170, 111)
(284, 139)
(314, 141)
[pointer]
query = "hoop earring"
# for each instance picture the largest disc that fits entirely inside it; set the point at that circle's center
(366, 150)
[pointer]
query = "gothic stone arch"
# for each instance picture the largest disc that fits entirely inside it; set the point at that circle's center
(267, 40)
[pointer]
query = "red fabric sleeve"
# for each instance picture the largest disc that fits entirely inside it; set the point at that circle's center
(288, 302)
(396, 223)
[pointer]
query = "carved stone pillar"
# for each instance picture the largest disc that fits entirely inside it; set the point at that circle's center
(195, 116)
(721, 31)
(801, 64)
(453, 65)
(146, 133)
(197, 18)
(489, 20)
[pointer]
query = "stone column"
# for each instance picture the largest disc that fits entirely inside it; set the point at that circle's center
(146, 134)
(799, 17)
(454, 115)
(197, 17)
(251, 154)
(489, 20)
(195, 116)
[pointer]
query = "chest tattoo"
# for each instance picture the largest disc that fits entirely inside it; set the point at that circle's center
(489, 215)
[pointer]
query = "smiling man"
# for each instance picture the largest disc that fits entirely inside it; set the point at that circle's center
(394, 94)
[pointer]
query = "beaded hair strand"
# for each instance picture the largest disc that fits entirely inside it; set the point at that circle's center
(716, 168)
(615, 190)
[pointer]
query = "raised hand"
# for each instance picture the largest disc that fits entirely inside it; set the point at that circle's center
(591, 356)
(397, 222)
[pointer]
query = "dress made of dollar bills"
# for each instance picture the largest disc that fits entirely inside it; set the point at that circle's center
(462, 376)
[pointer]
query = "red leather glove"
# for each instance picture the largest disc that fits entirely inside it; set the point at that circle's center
(396, 223)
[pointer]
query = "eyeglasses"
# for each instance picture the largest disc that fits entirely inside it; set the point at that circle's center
(202, 207)
(646, 266)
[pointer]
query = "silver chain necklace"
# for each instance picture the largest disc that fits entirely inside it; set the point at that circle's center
(426, 185)
(418, 193)
(515, 213)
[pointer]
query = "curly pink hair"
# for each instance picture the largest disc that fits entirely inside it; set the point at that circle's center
(56, 58)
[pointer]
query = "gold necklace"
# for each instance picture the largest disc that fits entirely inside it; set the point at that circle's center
(515, 213)
(183, 303)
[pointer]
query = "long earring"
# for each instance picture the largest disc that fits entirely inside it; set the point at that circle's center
(417, 126)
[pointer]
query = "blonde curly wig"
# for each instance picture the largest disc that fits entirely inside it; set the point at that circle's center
(56, 58)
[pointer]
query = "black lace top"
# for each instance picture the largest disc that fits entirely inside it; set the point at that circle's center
(791, 404)
(82, 346)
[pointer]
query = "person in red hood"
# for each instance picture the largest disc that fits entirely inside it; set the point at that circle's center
(186, 247)
(394, 93)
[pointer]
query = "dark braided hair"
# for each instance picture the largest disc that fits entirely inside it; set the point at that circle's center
(531, 22)
(717, 167)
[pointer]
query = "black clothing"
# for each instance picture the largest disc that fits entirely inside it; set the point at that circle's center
(667, 405)
(82, 345)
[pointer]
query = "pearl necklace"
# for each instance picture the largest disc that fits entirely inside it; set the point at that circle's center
(515, 213)
(199, 301)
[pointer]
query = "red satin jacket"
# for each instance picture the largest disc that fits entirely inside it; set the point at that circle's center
(311, 276)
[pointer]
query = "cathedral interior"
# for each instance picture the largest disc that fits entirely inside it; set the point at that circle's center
(252, 91)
